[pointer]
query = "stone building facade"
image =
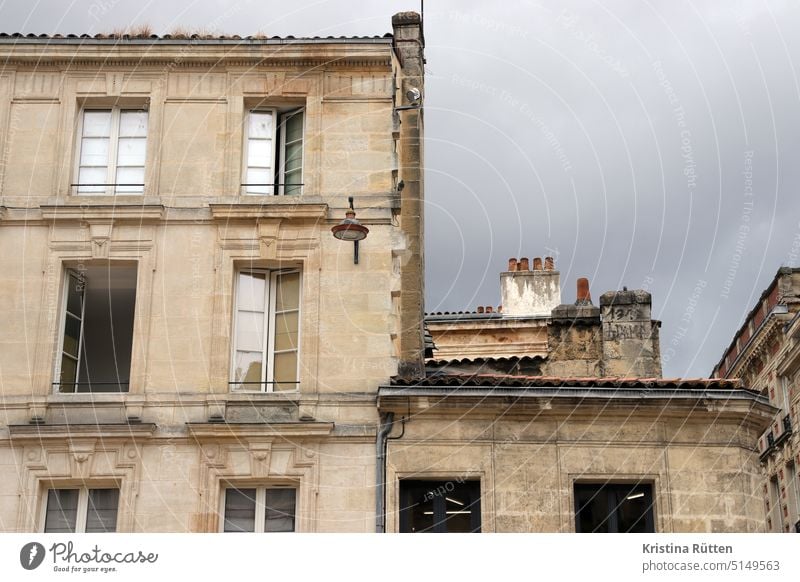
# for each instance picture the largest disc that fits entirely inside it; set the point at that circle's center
(554, 403)
(187, 348)
(765, 353)
(180, 323)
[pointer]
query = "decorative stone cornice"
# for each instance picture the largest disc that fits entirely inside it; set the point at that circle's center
(211, 430)
(68, 432)
(115, 212)
(292, 211)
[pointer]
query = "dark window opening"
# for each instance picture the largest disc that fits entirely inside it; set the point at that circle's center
(81, 510)
(440, 506)
(614, 508)
(97, 329)
(262, 509)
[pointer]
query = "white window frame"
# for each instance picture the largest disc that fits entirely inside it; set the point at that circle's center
(83, 505)
(113, 149)
(56, 384)
(68, 274)
(268, 349)
(261, 505)
(278, 152)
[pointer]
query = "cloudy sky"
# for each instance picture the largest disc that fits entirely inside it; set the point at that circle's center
(643, 144)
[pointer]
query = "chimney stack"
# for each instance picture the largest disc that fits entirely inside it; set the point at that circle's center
(529, 293)
(584, 296)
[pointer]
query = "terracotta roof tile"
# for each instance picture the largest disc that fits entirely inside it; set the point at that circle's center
(455, 380)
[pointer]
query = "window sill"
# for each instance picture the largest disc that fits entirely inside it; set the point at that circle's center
(292, 396)
(269, 207)
(89, 398)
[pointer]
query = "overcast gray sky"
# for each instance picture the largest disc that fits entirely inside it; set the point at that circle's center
(643, 144)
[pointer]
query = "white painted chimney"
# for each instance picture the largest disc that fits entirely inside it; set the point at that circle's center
(528, 293)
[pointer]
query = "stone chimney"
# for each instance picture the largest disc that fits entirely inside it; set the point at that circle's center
(630, 337)
(574, 337)
(527, 293)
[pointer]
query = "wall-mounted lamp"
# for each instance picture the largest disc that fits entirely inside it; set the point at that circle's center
(414, 98)
(351, 229)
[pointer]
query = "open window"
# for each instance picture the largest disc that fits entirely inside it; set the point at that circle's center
(614, 508)
(266, 330)
(440, 506)
(273, 151)
(259, 509)
(81, 510)
(97, 328)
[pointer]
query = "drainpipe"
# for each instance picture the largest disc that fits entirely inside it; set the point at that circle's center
(385, 427)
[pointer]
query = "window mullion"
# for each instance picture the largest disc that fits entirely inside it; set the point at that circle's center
(113, 147)
(261, 511)
(80, 334)
(83, 510)
(269, 323)
(275, 153)
(280, 155)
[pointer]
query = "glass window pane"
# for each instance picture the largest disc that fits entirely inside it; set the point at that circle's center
(260, 125)
(251, 290)
(286, 331)
(94, 151)
(250, 331)
(294, 157)
(416, 505)
(261, 177)
(131, 151)
(248, 369)
(133, 124)
(240, 510)
(280, 509)
(97, 177)
(591, 506)
(130, 180)
(287, 291)
(72, 334)
(292, 187)
(294, 127)
(69, 372)
(285, 371)
(633, 503)
(74, 294)
(101, 513)
(62, 511)
(97, 123)
(259, 153)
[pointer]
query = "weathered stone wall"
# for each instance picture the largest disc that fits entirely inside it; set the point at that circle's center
(630, 336)
(188, 233)
(703, 471)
